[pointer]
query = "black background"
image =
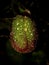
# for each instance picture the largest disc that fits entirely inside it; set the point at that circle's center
(39, 12)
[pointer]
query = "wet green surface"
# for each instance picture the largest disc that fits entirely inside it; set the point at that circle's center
(23, 29)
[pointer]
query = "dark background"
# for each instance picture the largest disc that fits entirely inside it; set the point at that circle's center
(39, 12)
